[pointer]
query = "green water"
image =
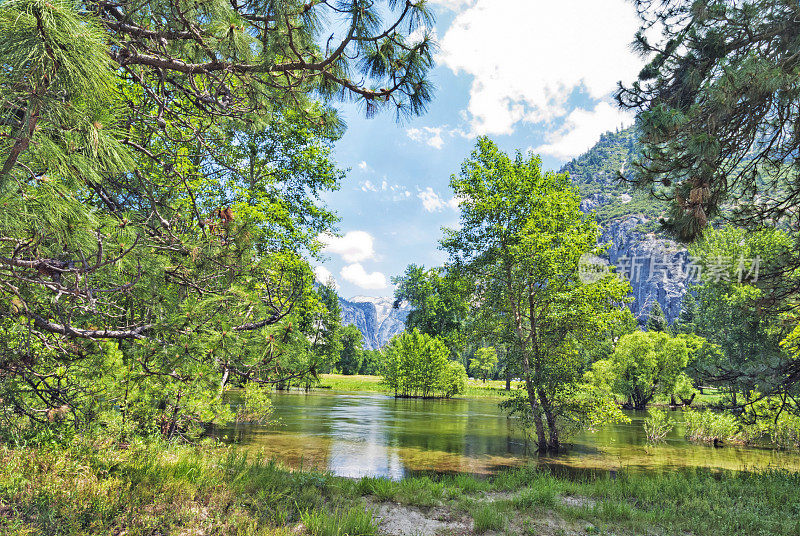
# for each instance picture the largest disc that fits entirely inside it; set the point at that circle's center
(358, 434)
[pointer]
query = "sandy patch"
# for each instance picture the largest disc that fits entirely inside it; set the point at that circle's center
(397, 520)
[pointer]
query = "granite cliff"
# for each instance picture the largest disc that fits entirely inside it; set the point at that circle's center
(377, 319)
(656, 265)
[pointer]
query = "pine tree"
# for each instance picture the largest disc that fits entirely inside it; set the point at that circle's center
(161, 179)
(717, 107)
(686, 319)
(656, 321)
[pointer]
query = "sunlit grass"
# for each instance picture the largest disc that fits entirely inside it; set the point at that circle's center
(363, 383)
(167, 489)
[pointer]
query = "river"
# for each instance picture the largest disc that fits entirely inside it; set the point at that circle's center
(371, 434)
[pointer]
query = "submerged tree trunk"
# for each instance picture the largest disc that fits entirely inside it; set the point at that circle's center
(541, 438)
(555, 443)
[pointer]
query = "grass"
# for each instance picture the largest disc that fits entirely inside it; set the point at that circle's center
(149, 489)
(363, 383)
(353, 521)
(487, 517)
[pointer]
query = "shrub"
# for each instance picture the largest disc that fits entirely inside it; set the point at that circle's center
(417, 365)
(453, 379)
(710, 426)
(657, 425)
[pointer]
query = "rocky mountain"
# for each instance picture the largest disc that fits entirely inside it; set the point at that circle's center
(656, 266)
(377, 319)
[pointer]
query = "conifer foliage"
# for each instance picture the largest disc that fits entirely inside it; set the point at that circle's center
(717, 105)
(161, 167)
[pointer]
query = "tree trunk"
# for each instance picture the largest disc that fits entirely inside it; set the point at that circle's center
(555, 444)
(541, 438)
(508, 379)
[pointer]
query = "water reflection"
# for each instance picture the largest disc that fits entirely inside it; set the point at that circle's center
(358, 434)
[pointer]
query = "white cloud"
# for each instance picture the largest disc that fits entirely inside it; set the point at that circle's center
(355, 274)
(367, 186)
(453, 5)
(432, 202)
(581, 129)
(324, 276)
(363, 165)
(527, 57)
(429, 135)
(397, 192)
(354, 246)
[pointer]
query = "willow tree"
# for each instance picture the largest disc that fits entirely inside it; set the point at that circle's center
(521, 238)
(162, 167)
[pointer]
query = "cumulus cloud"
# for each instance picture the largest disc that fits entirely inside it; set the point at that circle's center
(429, 135)
(363, 165)
(432, 202)
(353, 246)
(324, 276)
(357, 275)
(582, 128)
(528, 57)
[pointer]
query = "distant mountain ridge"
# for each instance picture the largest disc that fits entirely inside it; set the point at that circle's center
(376, 318)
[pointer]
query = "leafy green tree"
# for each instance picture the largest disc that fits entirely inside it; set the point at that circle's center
(372, 362)
(351, 357)
(328, 341)
(745, 315)
(644, 364)
(656, 321)
(439, 302)
(521, 239)
(416, 365)
(686, 319)
(484, 362)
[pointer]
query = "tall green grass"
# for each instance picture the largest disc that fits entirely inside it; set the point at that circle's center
(354, 521)
(710, 426)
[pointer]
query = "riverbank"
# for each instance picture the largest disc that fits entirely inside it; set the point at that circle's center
(480, 389)
(99, 488)
(364, 383)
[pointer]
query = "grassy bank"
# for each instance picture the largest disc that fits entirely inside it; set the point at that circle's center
(169, 490)
(341, 382)
(476, 389)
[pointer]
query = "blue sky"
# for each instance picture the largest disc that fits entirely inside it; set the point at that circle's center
(534, 75)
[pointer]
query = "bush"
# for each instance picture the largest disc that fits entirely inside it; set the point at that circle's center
(657, 425)
(417, 365)
(454, 379)
(710, 426)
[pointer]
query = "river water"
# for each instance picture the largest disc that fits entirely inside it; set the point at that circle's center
(371, 434)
